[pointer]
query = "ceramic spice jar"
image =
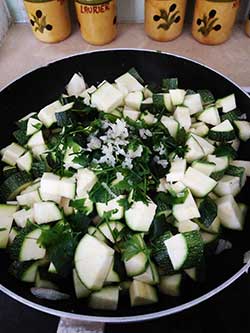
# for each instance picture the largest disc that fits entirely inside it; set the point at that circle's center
(213, 20)
(97, 19)
(164, 18)
(50, 19)
(247, 27)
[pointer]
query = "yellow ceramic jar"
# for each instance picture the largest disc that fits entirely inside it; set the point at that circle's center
(50, 19)
(164, 19)
(213, 20)
(247, 29)
(97, 19)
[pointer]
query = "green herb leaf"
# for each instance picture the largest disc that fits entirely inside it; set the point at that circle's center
(60, 243)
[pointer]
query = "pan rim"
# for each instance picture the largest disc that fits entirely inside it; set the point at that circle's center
(143, 317)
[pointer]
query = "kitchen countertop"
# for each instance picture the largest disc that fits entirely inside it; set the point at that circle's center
(21, 52)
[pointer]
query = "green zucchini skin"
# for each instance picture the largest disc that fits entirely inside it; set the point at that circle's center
(195, 248)
(14, 184)
(20, 269)
(17, 244)
(160, 254)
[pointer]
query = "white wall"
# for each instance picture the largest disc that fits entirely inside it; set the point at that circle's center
(131, 10)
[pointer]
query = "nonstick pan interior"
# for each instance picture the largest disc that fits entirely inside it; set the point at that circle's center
(44, 85)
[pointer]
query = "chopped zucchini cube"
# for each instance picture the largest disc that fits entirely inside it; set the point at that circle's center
(142, 294)
(106, 98)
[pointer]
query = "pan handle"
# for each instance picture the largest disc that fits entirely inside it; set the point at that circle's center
(67, 325)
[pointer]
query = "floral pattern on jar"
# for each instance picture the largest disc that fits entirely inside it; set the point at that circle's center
(213, 20)
(164, 19)
(49, 19)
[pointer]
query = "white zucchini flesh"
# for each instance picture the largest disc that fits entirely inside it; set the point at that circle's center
(107, 228)
(177, 170)
(177, 187)
(221, 163)
(192, 273)
(86, 179)
(105, 299)
(129, 82)
(205, 167)
(142, 293)
(136, 265)
(67, 187)
(11, 153)
(200, 130)
(50, 197)
(207, 147)
(36, 140)
(50, 183)
(33, 187)
(112, 204)
(229, 213)
(33, 125)
(134, 100)
(182, 115)
(150, 276)
(106, 98)
(148, 118)
(185, 226)
(147, 92)
(39, 151)
(25, 162)
(243, 164)
(130, 113)
(46, 212)
(140, 215)
(112, 276)
(228, 185)
(227, 103)
(28, 199)
(225, 126)
(31, 114)
(22, 216)
(48, 114)
(93, 260)
(12, 235)
(177, 96)
(31, 250)
(31, 273)
(193, 102)
(243, 129)
(177, 250)
(95, 232)
(195, 151)
(210, 116)
(163, 186)
(6, 219)
(80, 290)
(187, 210)
(170, 284)
(199, 184)
(171, 124)
(235, 144)
(76, 85)
(168, 102)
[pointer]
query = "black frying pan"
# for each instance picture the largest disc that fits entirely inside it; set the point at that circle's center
(44, 85)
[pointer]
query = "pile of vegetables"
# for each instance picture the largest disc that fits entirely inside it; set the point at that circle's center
(119, 188)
